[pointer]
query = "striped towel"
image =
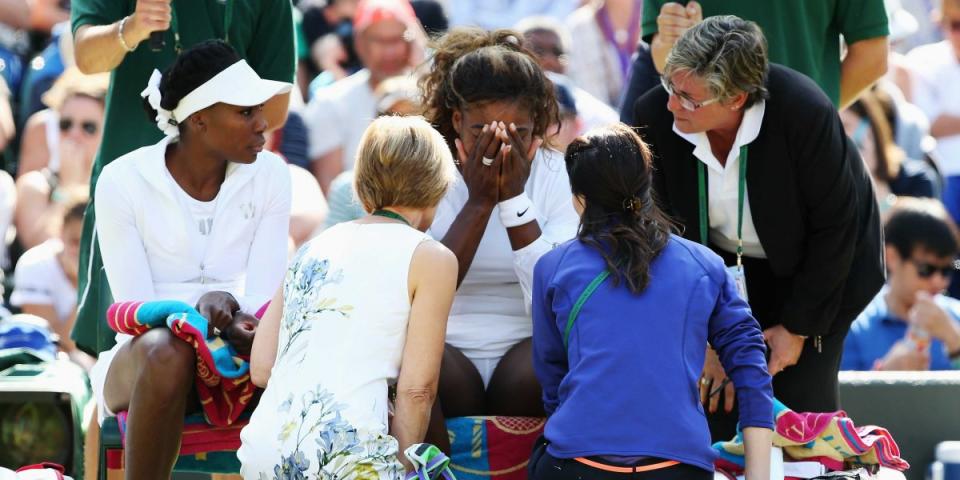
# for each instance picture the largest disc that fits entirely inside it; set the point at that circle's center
(223, 378)
(829, 438)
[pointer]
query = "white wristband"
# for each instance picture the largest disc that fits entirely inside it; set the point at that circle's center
(517, 211)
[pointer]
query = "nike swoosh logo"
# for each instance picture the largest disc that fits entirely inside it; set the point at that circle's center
(520, 214)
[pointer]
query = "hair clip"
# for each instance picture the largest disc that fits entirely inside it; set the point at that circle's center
(632, 204)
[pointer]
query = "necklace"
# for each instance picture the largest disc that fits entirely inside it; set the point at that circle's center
(388, 214)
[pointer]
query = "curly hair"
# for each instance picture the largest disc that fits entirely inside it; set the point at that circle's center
(611, 168)
(473, 66)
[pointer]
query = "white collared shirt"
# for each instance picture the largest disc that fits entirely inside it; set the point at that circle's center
(723, 185)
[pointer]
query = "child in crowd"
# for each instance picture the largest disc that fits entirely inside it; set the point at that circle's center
(910, 325)
(45, 280)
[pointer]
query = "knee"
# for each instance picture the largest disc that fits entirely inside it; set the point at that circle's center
(166, 359)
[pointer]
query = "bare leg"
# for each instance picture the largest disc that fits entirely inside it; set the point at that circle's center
(91, 448)
(459, 393)
(514, 389)
(152, 377)
(460, 389)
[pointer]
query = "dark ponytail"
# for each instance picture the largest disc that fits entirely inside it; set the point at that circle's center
(192, 68)
(611, 168)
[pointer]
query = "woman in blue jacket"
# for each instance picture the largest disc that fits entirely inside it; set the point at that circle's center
(619, 358)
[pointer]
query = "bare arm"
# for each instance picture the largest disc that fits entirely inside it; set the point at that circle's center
(865, 63)
(465, 234)
(433, 274)
(97, 47)
(673, 20)
(482, 181)
(756, 443)
(945, 125)
(33, 214)
(264, 351)
(326, 167)
(62, 329)
(7, 128)
(659, 49)
(34, 153)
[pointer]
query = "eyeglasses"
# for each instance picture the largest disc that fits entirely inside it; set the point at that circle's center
(926, 270)
(89, 127)
(685, 102)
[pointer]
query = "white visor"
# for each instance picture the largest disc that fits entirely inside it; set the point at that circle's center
(237, 85)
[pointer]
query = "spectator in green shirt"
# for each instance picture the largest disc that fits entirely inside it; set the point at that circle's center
(111, 36)
(802, 35)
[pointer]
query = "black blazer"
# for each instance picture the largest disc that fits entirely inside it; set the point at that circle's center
(811, 199)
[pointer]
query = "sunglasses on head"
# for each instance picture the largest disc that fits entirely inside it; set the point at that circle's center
(926, 270)
(89, 127)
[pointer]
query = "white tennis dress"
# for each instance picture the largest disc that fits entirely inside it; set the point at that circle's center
(346, 306)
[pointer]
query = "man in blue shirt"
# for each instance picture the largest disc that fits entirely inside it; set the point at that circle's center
(910, 325)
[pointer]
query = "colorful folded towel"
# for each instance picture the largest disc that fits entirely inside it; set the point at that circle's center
(829, 438)
(429, 463)
(223, 379)
(492, 448)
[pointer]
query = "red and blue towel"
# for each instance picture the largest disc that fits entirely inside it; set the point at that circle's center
(223, 376)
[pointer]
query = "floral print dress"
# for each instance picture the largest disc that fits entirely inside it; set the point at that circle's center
(323, 414)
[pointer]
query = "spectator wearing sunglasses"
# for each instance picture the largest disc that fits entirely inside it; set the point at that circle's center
(57, 152)
(937, 69)
(798, 225)
(910, 325)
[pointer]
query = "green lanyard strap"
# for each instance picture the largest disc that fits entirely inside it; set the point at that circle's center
(741, 195)
(388, 214)
(575, 311)
(175, 28)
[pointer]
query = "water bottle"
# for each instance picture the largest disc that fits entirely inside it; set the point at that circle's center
(918, 339)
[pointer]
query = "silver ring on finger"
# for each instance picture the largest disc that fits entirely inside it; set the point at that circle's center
(487, 161)
(705, 381)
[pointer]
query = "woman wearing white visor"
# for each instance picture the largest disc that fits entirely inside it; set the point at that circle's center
(201, 217)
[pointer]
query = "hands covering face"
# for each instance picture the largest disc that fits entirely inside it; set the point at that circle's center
(498, 165)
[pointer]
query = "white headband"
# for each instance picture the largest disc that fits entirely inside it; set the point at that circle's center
(238, 85)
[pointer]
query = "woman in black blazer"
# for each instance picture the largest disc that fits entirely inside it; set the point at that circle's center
(725, 126)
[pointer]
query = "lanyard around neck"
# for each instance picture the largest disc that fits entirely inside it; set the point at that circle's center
(704, 209)
(626, 47)
(175, 28)
(388, 214)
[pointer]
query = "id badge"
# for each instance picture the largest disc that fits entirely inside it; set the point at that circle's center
(740, 279)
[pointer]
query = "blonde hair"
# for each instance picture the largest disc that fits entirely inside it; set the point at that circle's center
(402, 162)
(73, 82)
